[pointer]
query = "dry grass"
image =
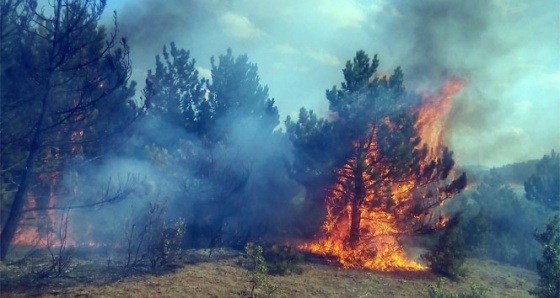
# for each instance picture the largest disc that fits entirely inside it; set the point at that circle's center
(225, 278)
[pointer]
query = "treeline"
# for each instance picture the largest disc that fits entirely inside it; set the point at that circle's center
(207, 151)
(204, 150)
(500, 213)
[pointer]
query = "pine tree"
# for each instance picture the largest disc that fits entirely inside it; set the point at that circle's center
(449, 254)
(369, 142)
(544, 188)
(544, 185)
(235, 94)
(59, 70)
(221, 116)
(549, 266)
(175, 92)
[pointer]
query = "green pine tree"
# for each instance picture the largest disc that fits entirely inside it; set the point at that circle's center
(548, 267)
(449, 254)
(544, 185)
(175, 92)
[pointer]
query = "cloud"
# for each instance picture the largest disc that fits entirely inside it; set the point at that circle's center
(324, 57)
(486, 147)
(551, 80)
(344, 14)
(510, 6)
(295, 68)
(240, 26)
(204, 72)
(286, 48)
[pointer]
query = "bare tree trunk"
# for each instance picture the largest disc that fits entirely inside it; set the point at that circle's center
(9, 230)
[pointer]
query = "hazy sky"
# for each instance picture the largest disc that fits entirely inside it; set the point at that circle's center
(508, 50)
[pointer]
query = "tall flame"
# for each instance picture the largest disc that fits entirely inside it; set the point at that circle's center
(378, 247)
(434, 112)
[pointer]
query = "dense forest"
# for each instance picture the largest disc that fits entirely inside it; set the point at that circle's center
(92, 159)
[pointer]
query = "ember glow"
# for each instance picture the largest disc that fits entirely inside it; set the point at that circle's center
(380, 214)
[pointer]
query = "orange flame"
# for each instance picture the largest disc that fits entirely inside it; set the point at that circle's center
(46, 226)
(43, 231)
(434, 112)
(378, 247)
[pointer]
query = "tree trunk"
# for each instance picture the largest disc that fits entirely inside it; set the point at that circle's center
(12, 222)
(359, 196)
(9, 230)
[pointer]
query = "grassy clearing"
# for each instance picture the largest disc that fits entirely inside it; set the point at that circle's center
(224, 277)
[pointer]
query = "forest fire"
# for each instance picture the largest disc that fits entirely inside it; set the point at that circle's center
(47, 226)
(44, 230)
(364, 233)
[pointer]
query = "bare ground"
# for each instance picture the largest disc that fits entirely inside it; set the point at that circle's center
(193, 274)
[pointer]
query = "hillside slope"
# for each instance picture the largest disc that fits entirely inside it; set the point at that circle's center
(223, 277)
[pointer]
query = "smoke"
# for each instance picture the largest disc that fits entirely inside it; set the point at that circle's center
(242, 187)
(101, 198)
(506, 49)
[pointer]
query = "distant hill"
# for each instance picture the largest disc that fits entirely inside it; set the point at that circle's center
(516, 173)
(512, 174)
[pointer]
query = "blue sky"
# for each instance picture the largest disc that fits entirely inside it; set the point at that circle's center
(508, 50)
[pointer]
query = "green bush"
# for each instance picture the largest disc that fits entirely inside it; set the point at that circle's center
(438, 291)
(478, 232)
(449, 254)
(257, 270)
(283, 260)
(498, 223)
(549, 266)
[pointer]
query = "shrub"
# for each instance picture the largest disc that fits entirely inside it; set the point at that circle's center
(478, 232)
(549, 266)
(449, 254)
(150, 237)
(256, 269)
(283, 260)
(166, 238)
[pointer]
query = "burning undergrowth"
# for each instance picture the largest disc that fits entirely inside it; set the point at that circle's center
(81, 202)
(225, 194)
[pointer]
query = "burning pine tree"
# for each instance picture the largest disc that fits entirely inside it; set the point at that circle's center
(385, 180)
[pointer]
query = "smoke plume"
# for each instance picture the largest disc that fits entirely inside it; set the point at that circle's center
(507, 50)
